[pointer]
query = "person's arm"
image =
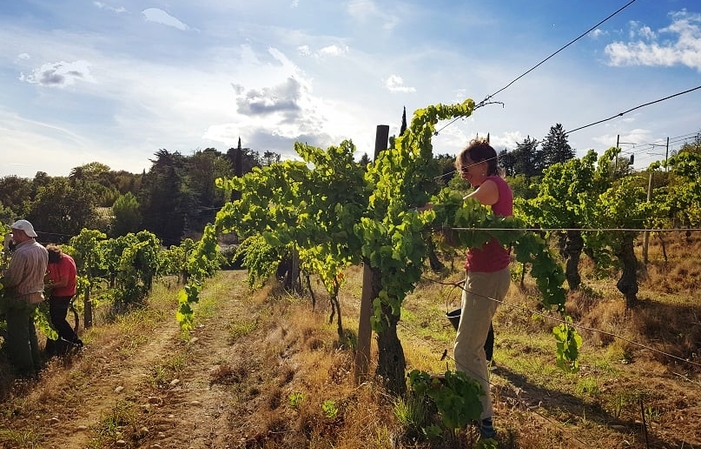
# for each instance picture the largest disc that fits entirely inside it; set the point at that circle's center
(487, 193)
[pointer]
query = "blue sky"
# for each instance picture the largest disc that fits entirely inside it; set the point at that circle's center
(114, 81)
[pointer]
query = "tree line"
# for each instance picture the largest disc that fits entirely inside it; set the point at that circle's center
(174, 199)
(177, 196)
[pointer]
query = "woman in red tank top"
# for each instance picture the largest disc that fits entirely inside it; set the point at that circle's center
(487, 272)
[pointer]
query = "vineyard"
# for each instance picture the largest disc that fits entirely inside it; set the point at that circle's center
(593, 345)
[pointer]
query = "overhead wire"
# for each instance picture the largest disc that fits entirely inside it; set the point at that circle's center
(620, 114)
(487, 99)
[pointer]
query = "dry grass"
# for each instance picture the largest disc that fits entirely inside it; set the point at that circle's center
(264, 370)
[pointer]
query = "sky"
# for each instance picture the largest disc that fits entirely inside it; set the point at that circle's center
(115, 81)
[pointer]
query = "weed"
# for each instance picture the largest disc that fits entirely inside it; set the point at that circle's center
(296, 399)
(587, 385)
(123, 417)
(241, 328)
(330, 409)
(19, 438)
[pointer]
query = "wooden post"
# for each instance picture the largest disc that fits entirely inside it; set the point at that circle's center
(362, 354)
(646, 235)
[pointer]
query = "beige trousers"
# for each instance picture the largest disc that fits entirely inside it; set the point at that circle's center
(478, 308)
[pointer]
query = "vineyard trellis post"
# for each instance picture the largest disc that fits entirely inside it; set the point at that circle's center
(362, 354)
(646, 235)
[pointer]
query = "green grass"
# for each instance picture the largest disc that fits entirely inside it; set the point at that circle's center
(21, 439)
(116, 424)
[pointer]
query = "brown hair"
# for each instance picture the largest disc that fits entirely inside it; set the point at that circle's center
(54, 253)
(479, 150)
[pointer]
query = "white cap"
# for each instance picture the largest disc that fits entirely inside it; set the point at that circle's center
(24, 225)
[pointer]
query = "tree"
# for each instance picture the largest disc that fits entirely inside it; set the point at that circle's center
(96, 178)
(270, 157)
(507, 161)
(364, 161)
(622, 206)
(167, 202)
(61, 209)
(126, 215)
(555, 147)
(16, 194)
(526, 159)
(89, 259)
(203, 168)
(243, 159)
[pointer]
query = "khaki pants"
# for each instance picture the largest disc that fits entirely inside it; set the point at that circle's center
(475, 319)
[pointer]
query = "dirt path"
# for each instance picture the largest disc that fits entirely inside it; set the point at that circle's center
(144, 387)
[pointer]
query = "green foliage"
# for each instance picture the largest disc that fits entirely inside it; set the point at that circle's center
(681, 198)
(90, 255)
(260, 258)
(202, 263)
(296, 399)
(61, 208)
(565, 191)
(401, 178)
(126, 215)
(15, 194)
(568, 344)
(329, 408)
(456, 396)
(137, 266)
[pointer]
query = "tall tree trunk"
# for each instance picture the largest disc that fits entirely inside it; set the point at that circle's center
(628, 283)
(391, 365)
(573, 251)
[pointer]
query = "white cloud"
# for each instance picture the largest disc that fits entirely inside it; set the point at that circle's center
(59, 74)
(647, 33)
(395, 83)
(304, 50)
(101, 5)
(366, 11)
(334, 50)
(330, 50)
(683, 49)
(159, 16)
(597, 33)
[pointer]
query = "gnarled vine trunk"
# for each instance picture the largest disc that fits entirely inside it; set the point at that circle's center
(573, 251)
(628, 283)
(391, 365)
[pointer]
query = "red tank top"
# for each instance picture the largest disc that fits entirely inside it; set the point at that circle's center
(492, 256)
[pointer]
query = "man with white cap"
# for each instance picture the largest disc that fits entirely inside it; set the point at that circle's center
(24, 281)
